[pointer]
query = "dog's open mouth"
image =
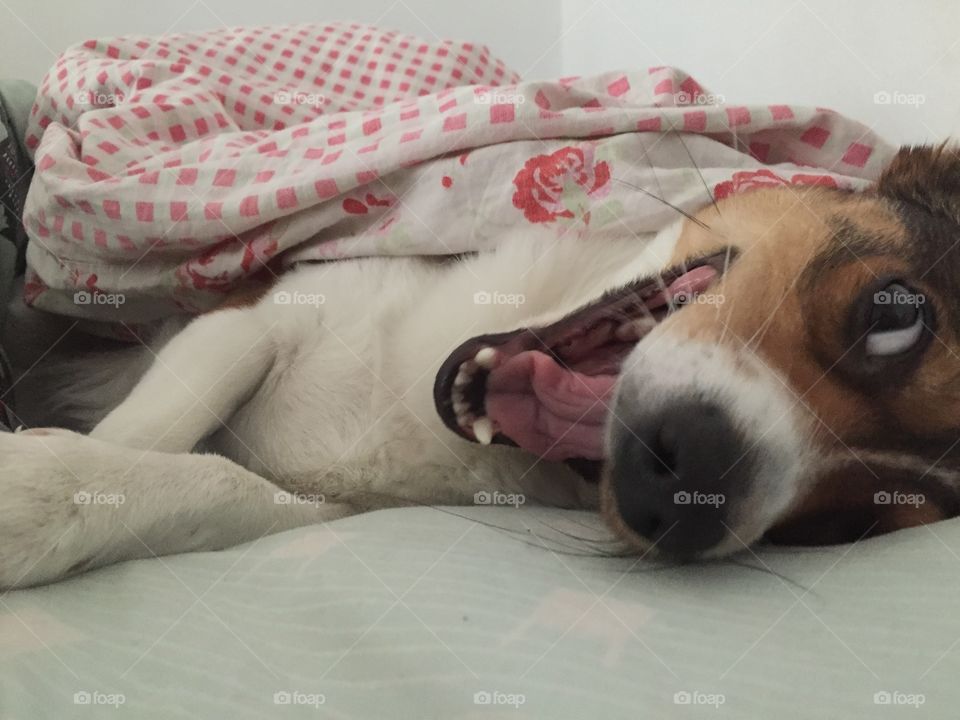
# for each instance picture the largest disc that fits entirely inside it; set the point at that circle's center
(547, 389)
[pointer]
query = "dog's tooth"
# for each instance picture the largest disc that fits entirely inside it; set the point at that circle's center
(487, 358)
(460, 407)
(465, 374)
(483, 430)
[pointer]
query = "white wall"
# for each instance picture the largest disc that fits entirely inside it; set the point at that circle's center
(32, 32)
(836, 53)
(833, 53)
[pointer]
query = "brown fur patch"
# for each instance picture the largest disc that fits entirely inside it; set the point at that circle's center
(805, 257)
(927, 178)
(249, 294)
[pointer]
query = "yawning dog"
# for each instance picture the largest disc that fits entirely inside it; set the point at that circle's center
(782, 363)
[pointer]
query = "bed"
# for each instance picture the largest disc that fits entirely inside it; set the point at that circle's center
(490, 612)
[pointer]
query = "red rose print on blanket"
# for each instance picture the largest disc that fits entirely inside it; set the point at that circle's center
(747, 180)
(358, 207)
(215, 269)
(196, 273)
(552, 186)
(33, 287)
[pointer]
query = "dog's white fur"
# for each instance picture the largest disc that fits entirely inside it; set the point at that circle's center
(247, 417)
(331, 396)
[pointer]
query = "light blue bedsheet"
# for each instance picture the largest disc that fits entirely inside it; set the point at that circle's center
(417, 613)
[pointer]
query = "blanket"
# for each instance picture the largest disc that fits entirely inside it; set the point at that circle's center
(171, 169)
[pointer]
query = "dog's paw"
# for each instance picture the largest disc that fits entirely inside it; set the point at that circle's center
(46, 478)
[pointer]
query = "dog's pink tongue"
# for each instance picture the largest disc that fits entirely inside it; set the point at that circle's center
(547, 409)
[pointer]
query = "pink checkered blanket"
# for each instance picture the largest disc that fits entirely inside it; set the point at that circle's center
(171, 169)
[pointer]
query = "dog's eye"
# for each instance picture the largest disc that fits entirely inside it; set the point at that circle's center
(896, 320)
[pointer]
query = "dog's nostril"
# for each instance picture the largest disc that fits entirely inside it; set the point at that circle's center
(664, 450)
(648, 525)
(665, 460)
(668, 476)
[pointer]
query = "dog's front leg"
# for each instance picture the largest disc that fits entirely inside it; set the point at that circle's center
(69, 503)
(196, 382)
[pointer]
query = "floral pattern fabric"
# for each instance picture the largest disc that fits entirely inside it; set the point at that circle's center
(170, 170)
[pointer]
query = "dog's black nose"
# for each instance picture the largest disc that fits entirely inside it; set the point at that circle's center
(676, 473)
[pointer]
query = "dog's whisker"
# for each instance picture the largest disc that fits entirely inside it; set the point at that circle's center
(767, 570)
(653, 170)
(575, 536)
(659, 199)
(758, 336)
(693, 162)
(584, 525)
(727, 256)
(656, 178)
(517, 534)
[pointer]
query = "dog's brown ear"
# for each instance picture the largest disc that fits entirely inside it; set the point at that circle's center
(927, 177)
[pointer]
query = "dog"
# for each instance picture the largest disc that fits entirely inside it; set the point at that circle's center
(782, 364)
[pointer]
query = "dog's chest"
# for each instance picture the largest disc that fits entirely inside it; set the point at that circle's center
(352, 385)
(334, 394)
